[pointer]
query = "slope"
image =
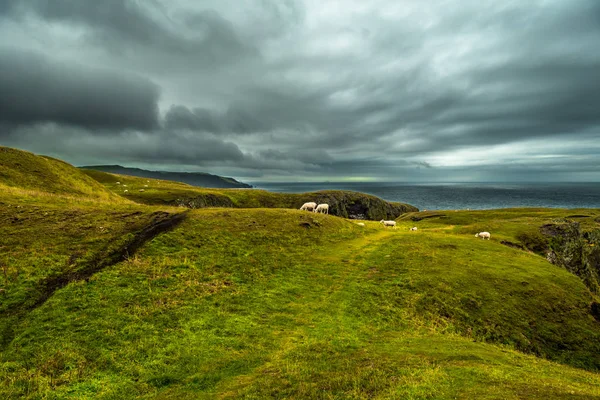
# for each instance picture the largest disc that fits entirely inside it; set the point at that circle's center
(158, 192)
(23, 172)
(262, 303)
(191, 178)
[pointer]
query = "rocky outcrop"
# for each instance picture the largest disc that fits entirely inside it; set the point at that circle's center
(356, 205)
(342, 203)
(205, 200)
(576, 251)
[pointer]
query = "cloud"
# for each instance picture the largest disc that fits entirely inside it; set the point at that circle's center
(83, 147)
(34, 89)
(130, 29)
(234, 120)
(295, 88)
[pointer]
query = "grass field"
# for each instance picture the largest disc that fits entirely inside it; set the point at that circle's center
(158, 192)
(260, 303)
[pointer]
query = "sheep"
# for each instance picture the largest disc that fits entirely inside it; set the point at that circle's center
(414, 228)
(360, 223)
(322, 208)
(309, 206)
(125, 191)
(141, 190)
(145, 185)
(388, 223)
(118, 183)
(483, 235)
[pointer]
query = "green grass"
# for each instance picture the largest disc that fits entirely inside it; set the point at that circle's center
(22, 172)
(262, 303)
(159, 192)
(505, 224)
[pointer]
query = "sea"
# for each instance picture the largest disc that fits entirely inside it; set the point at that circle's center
(461, 196)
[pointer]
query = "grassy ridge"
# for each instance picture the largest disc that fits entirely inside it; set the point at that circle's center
(277, 303)
(193, 178)
(22, 171)
(44, 246)
(157, 192)
(260, 303)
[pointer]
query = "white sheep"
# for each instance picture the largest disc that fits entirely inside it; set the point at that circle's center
(309, 206)
(322, 208)
(141, 190)
(388, 223)
(145, 185)
(125, 191)
(414, 228)
(483, 235)
(360, 223)
(118, 183)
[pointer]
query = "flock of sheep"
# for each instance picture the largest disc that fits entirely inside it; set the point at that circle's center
(324, 208)
(127, 190)
(314, 207)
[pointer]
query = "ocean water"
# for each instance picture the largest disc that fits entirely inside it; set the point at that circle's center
(462, 196)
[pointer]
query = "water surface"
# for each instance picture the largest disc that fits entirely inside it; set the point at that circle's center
(462, 196)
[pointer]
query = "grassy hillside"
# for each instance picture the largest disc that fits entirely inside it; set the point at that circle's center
(192, 178)
(263, 303)
(23, 172)
(158, 192)
(568, 238)
(111, 299)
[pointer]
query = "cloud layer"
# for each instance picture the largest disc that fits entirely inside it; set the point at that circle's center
(308, 90)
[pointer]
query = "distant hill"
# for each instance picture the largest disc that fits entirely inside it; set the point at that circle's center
(191, 178)
(23, 170)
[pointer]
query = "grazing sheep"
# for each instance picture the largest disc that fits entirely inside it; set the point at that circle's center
(145, 185)
(309, 206)
(322, 208)
(125, 191)
(388, 223)
(483, 235)
(118, 183)
(141, 190)
(414, 228)
(360, 223)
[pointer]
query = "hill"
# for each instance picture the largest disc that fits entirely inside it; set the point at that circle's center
(120, 299)
(167, 193)
(200, 179)
(268, 303)
(22, 172)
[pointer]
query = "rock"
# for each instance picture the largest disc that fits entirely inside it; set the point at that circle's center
(576, 251)
(595, 310)
(513, 245)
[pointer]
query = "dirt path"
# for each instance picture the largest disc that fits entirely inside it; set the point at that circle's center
(161, 222)
(326, 308)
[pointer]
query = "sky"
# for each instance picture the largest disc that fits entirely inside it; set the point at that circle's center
(308, 90)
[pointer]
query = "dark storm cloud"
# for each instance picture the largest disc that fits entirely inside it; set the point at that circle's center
(337, 88)
(237, 120)
(34, 89)
(161, 147)
(126, 26)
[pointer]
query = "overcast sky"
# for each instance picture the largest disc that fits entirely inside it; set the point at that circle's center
(284, 90)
